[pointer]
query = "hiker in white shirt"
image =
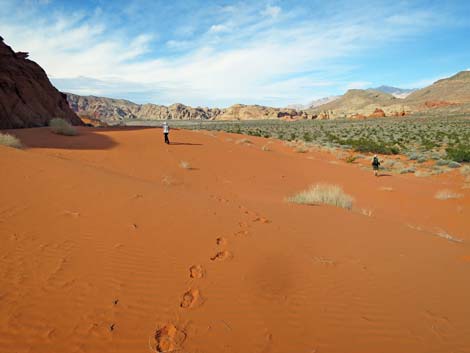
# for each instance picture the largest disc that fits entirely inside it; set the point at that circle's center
(166, 131)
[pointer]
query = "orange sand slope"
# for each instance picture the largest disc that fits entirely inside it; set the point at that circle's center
(108, 245)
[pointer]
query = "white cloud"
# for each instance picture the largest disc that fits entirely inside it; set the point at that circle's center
(219, 28)
(271, 11)
(256, 62)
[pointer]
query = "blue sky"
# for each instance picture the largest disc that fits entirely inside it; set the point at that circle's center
(217, 53)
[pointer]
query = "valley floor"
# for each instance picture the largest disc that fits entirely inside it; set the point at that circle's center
(106, 240)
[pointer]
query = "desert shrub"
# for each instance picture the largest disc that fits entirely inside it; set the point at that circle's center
(465, 170)
(10, 141)
(62, 127)
(324, 194)
(265, 148)
(407, 170)
(350, 159)
(185, 165)
(447, 194)
(459, 153)
(366, 145)
(307, 137)
(454, 165)
(301, 149)
(442, 162)
(422, 159)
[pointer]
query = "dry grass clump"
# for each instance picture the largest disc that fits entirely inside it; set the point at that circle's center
(323, 194)
(185, 165)
(447, 194)
(301, 149)
(167, 180)
(351, 158)
(266, 148)
(244, 142)
(366, 212)
(10, 141)
(386, 188)
(465, 170)
(444, 235)
(422, 173)
(62, 127)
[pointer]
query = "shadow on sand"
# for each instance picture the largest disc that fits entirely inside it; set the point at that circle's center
(184, 144)
(88, 138)
(384, 175)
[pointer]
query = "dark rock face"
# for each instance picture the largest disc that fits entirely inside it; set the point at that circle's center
(27, 97)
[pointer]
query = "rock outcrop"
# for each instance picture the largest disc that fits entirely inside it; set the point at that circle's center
(27, 97)
(378, 113)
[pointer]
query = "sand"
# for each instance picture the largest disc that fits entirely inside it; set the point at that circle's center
(108, 245)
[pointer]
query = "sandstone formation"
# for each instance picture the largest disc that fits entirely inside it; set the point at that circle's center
(27, 97)
(112, 110)
(378, 113)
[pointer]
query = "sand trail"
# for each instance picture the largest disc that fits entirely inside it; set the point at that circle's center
(99, 255)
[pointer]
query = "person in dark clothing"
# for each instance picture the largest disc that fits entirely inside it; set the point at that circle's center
(375, 165)
(166, 131)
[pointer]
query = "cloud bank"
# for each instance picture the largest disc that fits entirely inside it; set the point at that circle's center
(271, 54)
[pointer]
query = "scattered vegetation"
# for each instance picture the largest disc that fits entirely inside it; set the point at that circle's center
(421, 138)
(10, 141)
(62, 127)
(324, 194)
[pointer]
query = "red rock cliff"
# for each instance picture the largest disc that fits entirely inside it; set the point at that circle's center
(27, 97)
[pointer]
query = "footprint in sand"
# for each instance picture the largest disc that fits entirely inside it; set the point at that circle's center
(169, 338)
(261, 220)
(222, 255)
(191, 299)
(220, 241)
(196, 271)
(241, 233)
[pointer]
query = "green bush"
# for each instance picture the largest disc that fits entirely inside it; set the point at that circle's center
(459, 153)
(365, 145)
(62, 127)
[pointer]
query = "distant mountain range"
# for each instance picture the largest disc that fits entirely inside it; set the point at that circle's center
(394, 91)
(314, 103)
(112, 110)
(451, 94)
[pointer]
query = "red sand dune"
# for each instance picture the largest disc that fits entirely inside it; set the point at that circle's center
(108, 245)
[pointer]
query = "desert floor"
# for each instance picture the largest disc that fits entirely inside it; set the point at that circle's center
(106, 240)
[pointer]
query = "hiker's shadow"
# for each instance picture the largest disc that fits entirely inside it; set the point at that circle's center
(384, 175)
(185, 144)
